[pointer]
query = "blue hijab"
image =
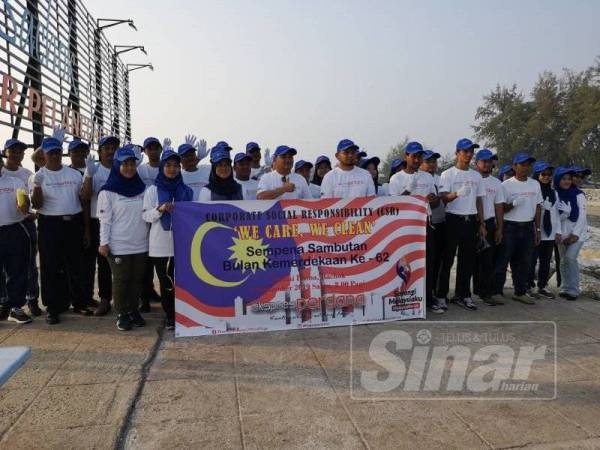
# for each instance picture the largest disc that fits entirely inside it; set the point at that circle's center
(567, 195)
(117, 183)
(170, 189)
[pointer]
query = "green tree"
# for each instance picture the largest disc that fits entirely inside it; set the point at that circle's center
(396, 152)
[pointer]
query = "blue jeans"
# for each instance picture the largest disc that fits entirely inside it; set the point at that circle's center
(516, 248)
(569, 268)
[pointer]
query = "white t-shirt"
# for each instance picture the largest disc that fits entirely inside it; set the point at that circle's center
(161, 241)
(528, 190)
(384, 190)
(147, 173)
(315, 190)
(494, 195)
(61, 191)
(9, 214)
(257, 172)
(98, 181)
(249, 188)
(197, 179)
(121, 224)
(423, 184)
(438, 214)
(81, 170)
(273, 180)
(21, 173)
(578, 228)
(454, 179)
(339, 183)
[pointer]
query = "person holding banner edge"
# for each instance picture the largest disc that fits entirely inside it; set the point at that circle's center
(159, 201)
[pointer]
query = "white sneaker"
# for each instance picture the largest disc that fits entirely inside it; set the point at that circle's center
(467, 303)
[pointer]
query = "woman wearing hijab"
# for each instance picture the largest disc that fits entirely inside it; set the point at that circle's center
(371, 165)
(572, 206)
(221, 185)
(159, 201)
(322, 166)
(124, 235)
(551, 230)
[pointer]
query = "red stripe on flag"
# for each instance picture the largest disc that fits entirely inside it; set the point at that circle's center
(186, 297)
(372, 285)
(185, 321)
(370, 265)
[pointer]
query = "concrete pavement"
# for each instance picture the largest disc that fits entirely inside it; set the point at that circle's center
(89, 386)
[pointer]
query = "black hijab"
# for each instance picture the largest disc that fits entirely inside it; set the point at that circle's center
(224, 188)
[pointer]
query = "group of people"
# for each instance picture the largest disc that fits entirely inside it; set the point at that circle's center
(111, 219)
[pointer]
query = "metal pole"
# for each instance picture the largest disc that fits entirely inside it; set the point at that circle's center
(115, 87)
(127, 106)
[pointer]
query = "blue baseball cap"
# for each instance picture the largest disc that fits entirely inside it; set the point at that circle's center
(466, 144)
(321, 159)
(241, 156)
(252, 146)
(429, 154)
(397, 164)
(540, 166)
(413, 147)
(78, 143)
(106, 139)
(366, 161)
(504, 170)
(49, 144)
(561, 172)
(522, 157)
(485, 154)
(14, 143)
(125, 153)
(151, 140)
(347, 144)
(219, 154)
(224, 145)
(169, 154)
(184, 148)
(362, 154)
(584, 172)
(283, 149)
(301, 163)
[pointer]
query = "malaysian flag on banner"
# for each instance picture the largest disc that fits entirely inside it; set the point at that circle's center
(274, 265)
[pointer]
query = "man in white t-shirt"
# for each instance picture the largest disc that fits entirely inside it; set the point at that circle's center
(242, 169)
(14, 247)
(462, 190)
(15, 152)
(347, 180)
(493, 213)
(280, 183)
(522, 217)
(256, 170)
(194, 174)
(413, 181)
(60, 230)
(95, 176)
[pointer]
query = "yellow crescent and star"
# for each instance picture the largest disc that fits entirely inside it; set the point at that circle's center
(239, 253)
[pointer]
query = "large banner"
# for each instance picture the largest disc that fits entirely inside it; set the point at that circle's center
(280, 265)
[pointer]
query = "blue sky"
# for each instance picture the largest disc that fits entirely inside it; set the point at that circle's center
(308, 73)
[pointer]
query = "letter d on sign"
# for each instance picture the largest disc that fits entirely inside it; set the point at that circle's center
(375, 380)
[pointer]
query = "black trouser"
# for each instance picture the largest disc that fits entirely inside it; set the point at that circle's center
(516, 248)
(148, 292)
(165, 268)
(92, 256)
(461, 235)
(483, 275)
(439, 240)
(128, 274)
(14, 259)
(543, 253)
(557, 265)
(33, 287)
(61, 248)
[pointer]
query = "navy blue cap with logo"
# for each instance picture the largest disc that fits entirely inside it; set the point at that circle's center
(283, 150)
(184, 148)
(77, 143)
(466, 144)
(301, 163)
(219, 154)
(125, 153)
(346, 144)
(522, 157)
(430, 154)
(13, 142)
(366, 161)
(241, 157)
(50, 144)
(540, 166)
(106, 139)
(321, 159)
(485, 155)
(413, 148)
(169, 154)
(250, 146)
(151, 140)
